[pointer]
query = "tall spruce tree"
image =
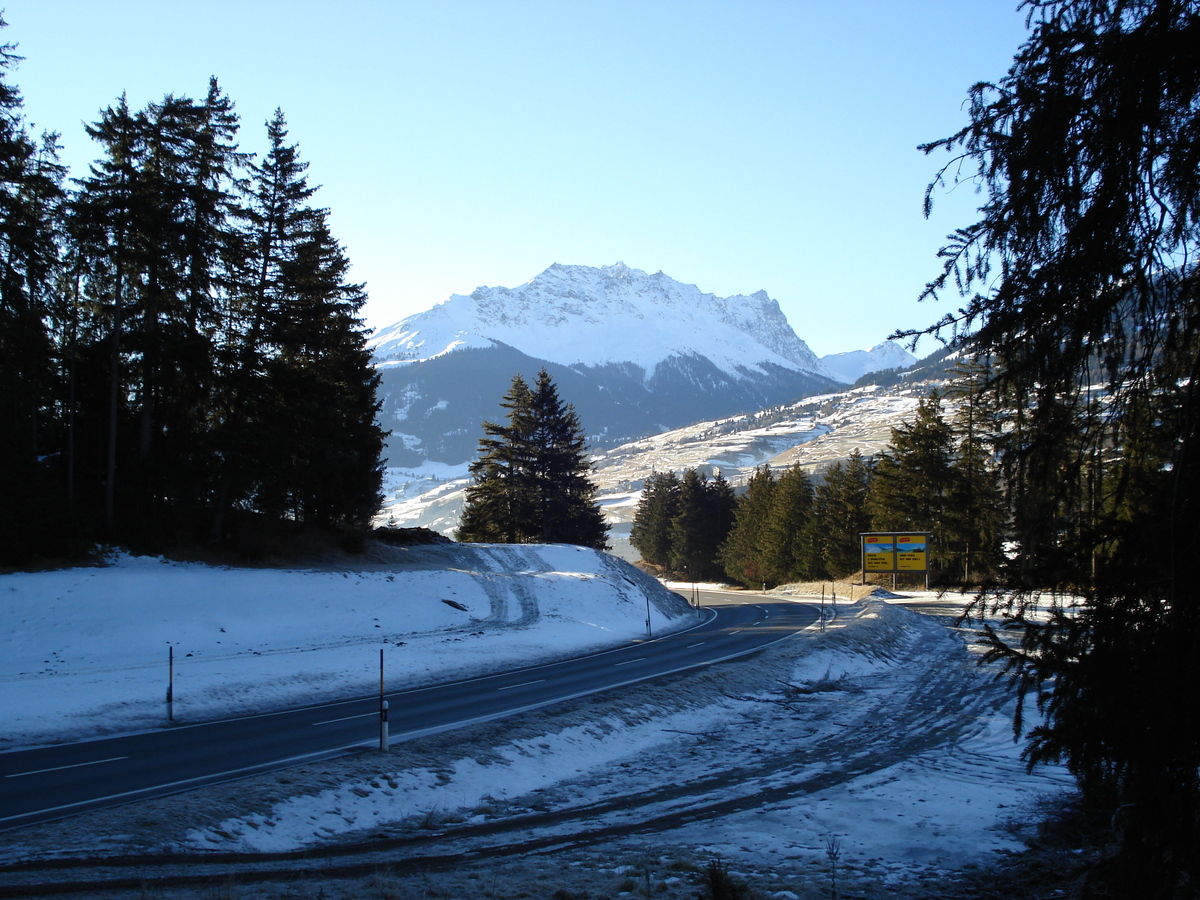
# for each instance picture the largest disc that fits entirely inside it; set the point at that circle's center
(914, 477)
(744, 551)
(974, 516)
(790, 545)
(321, 387)
(108, 245)
(702, 521)
(297, 407)
(531, 480)
(150, 227)
(499, 504)
(651, 534)
(1082, 284)
(842, 514)
(30, 197)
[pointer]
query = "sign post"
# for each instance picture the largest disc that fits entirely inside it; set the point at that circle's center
(893, 552)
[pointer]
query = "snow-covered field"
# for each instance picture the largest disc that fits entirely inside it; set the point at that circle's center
(876, 747)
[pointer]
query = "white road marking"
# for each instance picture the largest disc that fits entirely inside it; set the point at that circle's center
(346, 718)
(94, 762)
(513, 687)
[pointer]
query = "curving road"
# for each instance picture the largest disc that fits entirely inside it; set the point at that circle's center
(50, 782)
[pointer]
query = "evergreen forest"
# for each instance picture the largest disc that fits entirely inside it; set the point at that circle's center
(182, 356)
(937, 475)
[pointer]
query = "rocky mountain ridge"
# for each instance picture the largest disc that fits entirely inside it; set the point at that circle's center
(611, 315)
(636, 354)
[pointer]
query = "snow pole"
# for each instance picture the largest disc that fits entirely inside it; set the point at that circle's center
(383, 709)
(170, 683)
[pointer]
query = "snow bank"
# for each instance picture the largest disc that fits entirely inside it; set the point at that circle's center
(84, 651)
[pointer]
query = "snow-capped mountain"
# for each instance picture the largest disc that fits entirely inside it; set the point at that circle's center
(579, 315)
(851, 366)
(634, 353)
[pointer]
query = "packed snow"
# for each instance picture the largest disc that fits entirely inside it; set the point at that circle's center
(875, 737)
(899, 796)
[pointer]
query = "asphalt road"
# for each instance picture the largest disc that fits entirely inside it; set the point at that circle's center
(50, 782)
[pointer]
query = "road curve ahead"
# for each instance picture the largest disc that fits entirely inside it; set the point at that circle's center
(51, 782)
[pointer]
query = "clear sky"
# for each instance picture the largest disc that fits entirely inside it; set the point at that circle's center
(736, 145)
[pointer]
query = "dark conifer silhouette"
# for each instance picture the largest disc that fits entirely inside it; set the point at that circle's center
(532, 477)
(1082, 287)
(178, 338)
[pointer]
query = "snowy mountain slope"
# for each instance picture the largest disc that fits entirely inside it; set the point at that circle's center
(814, 432)
(635, 354)
(851, 366)
(579, 315)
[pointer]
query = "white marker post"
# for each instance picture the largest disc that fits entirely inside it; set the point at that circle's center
(383, 709)
(170, 684)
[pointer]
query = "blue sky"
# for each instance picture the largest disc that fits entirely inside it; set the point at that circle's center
(737, 146)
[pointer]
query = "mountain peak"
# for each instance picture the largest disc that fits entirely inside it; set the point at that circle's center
(581, 315)
(620, 270)
(849, 367)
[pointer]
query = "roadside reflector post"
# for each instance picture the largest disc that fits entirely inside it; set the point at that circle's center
(383, 709)
(170, 684)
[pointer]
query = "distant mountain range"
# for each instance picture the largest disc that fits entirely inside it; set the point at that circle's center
(854, 364)
(636, 354)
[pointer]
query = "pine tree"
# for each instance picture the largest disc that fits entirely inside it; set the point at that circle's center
(323, 386)
(722, 506)
(499, 505)
(1082, 285)
(531, 479)
(650, 534)
(690, 528)
(743, 552)
(841, 510)
(790, 545)
(274, 218)
(107, 239)
(297, 407)
(150, 232)
(561, 473)
(30, 196)
(913, 480)
(974, 515)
